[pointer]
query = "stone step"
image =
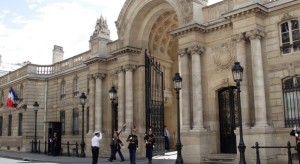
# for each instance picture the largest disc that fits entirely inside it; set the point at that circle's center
(219, 159)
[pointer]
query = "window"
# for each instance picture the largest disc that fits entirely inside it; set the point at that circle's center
(75, 87)
(20, 124)
(9, 127)
(1, 125)
(290, 37)
(62, 120)
(87, 119)
(63, 90)
(21, 94)
(75, 124)
(291, 95)
(2, 98)
(88, 85)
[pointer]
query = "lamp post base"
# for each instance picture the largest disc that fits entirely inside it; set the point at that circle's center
(179, 159)
(82, 154)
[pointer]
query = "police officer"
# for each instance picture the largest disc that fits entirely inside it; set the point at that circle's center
(133, 145)
(96, 146)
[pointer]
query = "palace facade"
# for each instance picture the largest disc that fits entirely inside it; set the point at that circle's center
(201, 43)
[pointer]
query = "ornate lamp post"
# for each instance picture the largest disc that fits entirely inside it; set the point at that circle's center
(35, 108)
(112, 96)
(82, 102)
(177, 85)
(237, 72)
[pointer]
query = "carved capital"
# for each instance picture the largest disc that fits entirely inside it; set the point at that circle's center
(255, 34)
(119, 69)
(129, 67)
(238, 38)
(99, 75)
(90, 76)
(196, 50)
(182, 52)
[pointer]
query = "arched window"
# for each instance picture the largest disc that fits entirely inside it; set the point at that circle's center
(62, 89)
(20, 125)
(62, 117)
(291, 96)
(1, 125)
(76, 86)
(290, 36)
(9, 127)
(75, 123)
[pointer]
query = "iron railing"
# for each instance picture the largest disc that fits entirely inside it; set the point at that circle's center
(257, 147)
(71, 149)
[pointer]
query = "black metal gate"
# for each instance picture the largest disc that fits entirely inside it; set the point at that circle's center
(228, 112)
(154, 90)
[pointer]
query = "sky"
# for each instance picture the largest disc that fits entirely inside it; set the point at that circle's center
(29, 29)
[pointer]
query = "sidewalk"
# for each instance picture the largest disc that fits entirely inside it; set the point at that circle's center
(168, 158)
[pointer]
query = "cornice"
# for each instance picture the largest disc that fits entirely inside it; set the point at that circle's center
(247, 10)
(127, 49)
(202, 28)
(99, 59)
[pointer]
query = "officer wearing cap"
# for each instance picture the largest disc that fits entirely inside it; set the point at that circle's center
(95, 146)
(150, 142)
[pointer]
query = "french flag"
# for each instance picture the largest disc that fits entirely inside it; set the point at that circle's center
(10, 101)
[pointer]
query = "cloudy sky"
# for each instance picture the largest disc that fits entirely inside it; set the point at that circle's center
(30, 28)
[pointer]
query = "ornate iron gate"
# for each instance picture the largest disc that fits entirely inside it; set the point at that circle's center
(154, 90)
(228, 112)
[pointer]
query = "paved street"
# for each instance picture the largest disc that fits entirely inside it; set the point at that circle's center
(10, 157)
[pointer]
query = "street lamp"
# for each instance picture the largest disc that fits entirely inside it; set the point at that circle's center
(35, 108)
(82, 102)
(112, 96)
(237, 72)
(177, 85)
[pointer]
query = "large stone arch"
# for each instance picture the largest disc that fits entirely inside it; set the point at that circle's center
(137, 18)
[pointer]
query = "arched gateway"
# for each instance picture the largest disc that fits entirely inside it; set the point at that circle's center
(201, 43)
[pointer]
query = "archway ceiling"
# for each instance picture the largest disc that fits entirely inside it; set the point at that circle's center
(161, 43)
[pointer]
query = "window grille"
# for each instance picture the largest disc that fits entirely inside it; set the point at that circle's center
(20, 132)
(75, 124)
(9, 127)
(1, 125)
(62, 120)
(291, 96)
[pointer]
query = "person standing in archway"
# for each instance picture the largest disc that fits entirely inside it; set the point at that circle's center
(167, 138)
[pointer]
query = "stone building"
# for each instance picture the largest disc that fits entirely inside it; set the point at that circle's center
(201, 43)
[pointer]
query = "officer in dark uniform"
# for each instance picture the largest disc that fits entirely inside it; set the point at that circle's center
(133, 145)
(150, 143)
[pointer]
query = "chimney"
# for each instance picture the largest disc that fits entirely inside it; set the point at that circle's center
(58, 54)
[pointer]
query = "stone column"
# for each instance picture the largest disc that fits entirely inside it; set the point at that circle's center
(92, 104)
(258, 77)
(185, 98)
(197, 105)
(241, 57)
(98, 101)
(121, 96)
(129, 96)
